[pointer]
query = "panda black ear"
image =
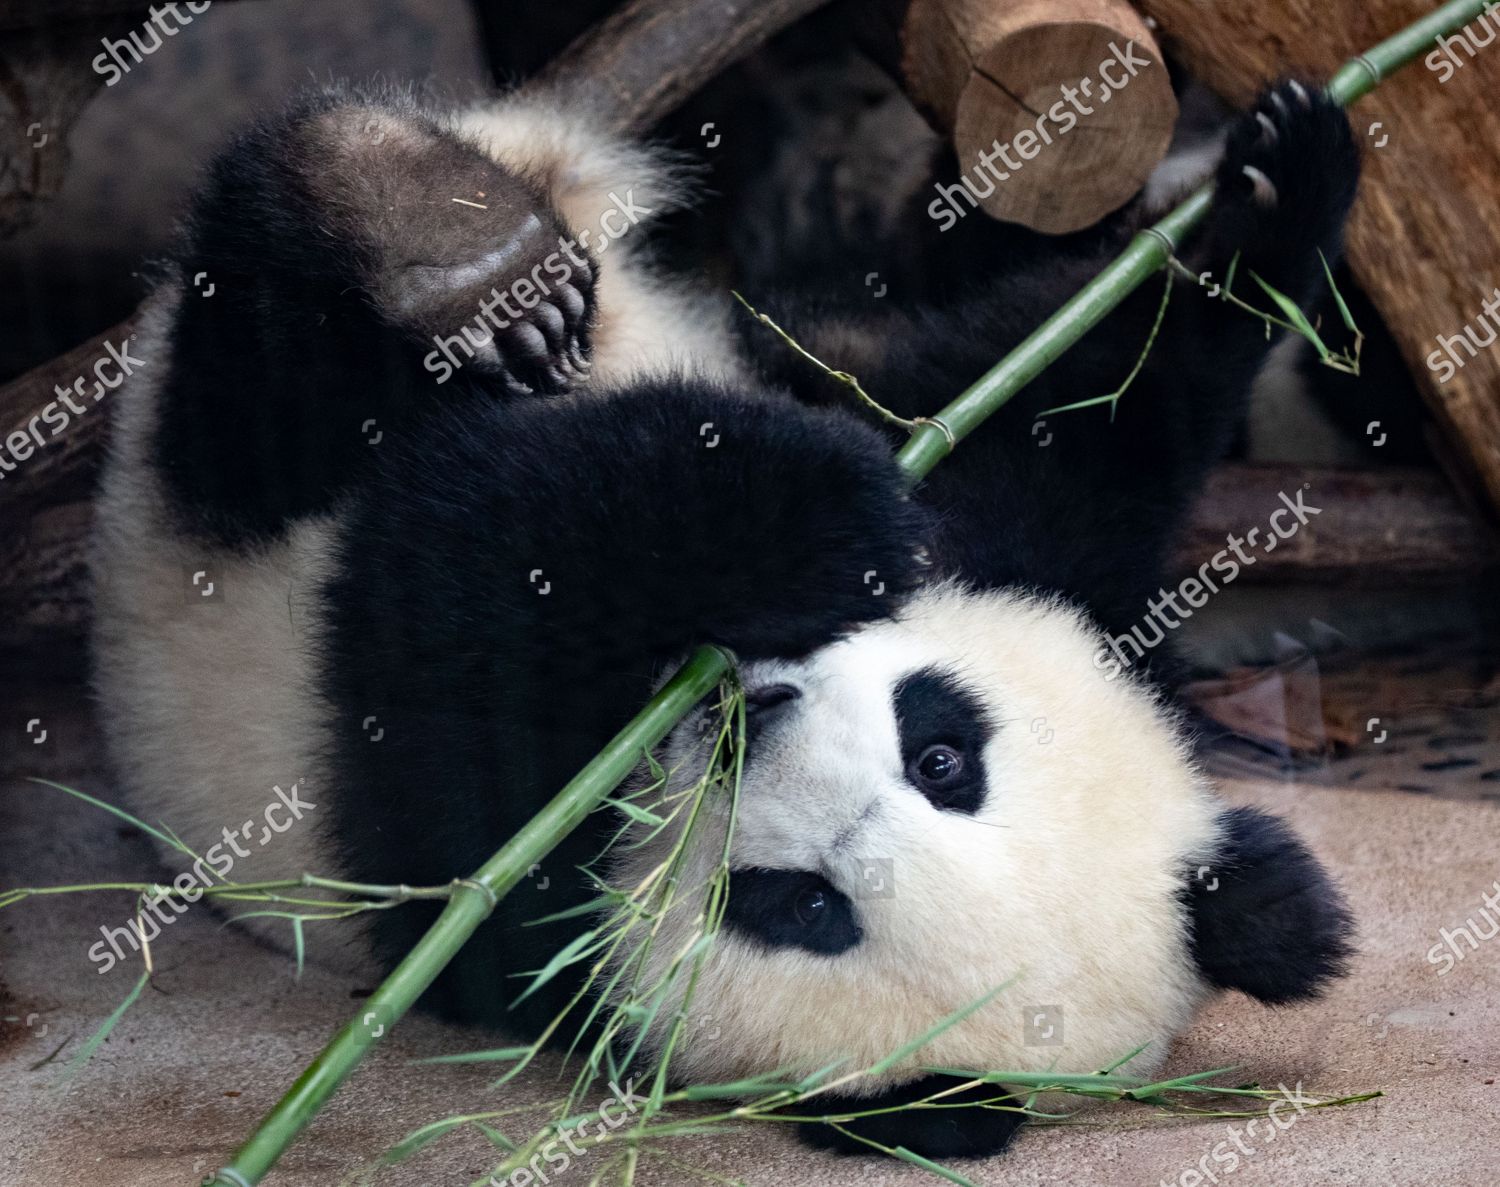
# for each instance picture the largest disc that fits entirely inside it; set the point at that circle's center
(1266, 918)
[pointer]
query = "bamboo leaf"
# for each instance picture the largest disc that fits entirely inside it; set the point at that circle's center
(1338, 297)
(570, 954)
(637, 813)
(169, 841)
(496, 1137)
(928, 1165)
(427, 1134)
(85, 1053)
(1294, 315)
(497, 1055)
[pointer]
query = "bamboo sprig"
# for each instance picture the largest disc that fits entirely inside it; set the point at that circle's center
(848, 380)
(928, 445)
(1192, 1096)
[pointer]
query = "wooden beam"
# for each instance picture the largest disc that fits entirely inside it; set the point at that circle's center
(645, 60)
(1382, 528)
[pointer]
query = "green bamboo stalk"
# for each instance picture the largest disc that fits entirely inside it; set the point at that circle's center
(471, 904)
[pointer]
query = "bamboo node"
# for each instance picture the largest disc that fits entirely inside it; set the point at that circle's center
(1163, 238)
(938, 421)
(1372, 67)
(475, 884)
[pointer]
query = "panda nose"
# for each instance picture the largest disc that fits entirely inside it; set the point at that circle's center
(765, 703)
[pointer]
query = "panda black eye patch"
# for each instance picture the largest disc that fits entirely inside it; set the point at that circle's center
(943, 731)
(791, 909)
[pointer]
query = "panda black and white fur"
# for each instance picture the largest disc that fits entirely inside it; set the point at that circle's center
(434, 602)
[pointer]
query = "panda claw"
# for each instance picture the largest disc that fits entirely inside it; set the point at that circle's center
(1300, 91)
(1263, 191)
(529, 344)
(574, 306)
(1269, 135)
(514, 385)
(549, 319)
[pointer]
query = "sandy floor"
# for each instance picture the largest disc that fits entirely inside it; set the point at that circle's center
(206, 1051)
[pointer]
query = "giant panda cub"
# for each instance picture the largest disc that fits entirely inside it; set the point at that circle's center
(430, 478)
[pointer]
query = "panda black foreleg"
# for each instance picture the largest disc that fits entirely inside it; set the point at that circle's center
(512, 584)
(1282, 195)
(345, 268)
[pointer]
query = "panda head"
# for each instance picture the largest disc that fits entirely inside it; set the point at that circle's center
(956, 800)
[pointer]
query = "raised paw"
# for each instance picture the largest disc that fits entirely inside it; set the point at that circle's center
(1289, 173)
(466, 254)
(345, 203)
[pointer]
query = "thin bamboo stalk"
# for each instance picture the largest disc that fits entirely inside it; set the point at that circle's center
(929, 444)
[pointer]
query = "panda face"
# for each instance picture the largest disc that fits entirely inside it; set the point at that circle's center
(938, 806)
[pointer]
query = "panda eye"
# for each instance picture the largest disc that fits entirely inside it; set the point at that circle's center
(810, 907)
(937, 766)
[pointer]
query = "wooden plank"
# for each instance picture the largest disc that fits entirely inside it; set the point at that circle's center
(1374, 528)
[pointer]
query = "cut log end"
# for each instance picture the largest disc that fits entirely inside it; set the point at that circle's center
(1058, 111)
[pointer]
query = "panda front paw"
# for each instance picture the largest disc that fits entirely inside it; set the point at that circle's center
(1288, 177)
(969, 1123)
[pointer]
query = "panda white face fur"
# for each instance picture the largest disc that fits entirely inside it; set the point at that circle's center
(928, 813)
(431, 631)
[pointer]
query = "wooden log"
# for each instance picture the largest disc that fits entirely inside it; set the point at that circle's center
(646, 59)
(37, 14)
(44, 597)
(47, 83)
(1058, 109)
(1385, 528)
(1424, 240)
(60, 468)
